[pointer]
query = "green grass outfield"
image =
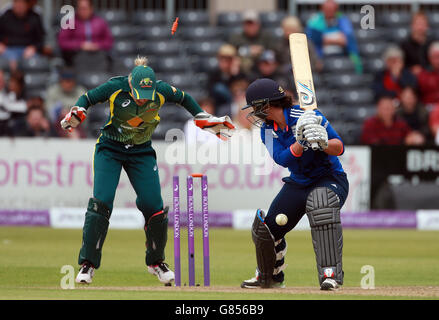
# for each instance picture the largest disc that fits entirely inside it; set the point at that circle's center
(405, 264)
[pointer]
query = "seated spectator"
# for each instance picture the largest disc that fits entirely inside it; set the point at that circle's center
(333, 35)
(415, 47)
(63, 95)
(21, 33)
(385, 128)
(4, 107)
(193, 134)
(36, 124)
(292, 24)
(91, 33)
(13, 101)
(239, 116)
(415, 115)
(228, 69)
(394, 77)
(251, 41)
(433, 123)
(268, 67)
(428, 79)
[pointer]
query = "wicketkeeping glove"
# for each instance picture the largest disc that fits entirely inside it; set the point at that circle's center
(222, 127)
(72, 119)
(316, 134)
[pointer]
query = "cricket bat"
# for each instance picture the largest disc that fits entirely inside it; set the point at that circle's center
(302, 73)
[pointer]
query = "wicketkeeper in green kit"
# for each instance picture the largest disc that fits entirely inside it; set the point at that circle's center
(125, 142)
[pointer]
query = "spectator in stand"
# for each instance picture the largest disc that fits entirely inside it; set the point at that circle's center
(428, 79)
(238, 88)
(292, 24)
(4, 107)
(415, 115)
(251, 41)
(394, 77)
(268, 67)
(333, 35)
(21, 33)
(63, 95)
(385, 128)
(433, 122)
(12, 102)
(91, 33)
(36, 124)
(415, 47)
(228, 69)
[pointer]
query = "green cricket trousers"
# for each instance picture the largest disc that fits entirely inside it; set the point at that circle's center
(139, 162)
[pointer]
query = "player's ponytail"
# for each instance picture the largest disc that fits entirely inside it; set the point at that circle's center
(141, 61)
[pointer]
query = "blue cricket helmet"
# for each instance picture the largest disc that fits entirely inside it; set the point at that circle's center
(259, 94)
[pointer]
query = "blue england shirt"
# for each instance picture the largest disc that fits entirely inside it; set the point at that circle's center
(311, 165)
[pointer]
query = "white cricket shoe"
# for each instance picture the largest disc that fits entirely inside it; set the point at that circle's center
(254, 283)
(85, 274)
(162, 272)
(329, 284)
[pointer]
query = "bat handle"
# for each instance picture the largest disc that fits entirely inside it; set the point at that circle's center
(315, 146)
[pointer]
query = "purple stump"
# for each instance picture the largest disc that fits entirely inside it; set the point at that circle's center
(176, 204)
(205, 213)
(190, 230)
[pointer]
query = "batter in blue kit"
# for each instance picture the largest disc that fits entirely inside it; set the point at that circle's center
(306, 144)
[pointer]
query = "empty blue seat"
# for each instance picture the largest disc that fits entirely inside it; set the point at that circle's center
(149, 17)
(272, 18)
(338, 64)
(171, 64)
(205, 48)
(229, 19)
(372, 49)
(114, 16)
(124, 31)
(394, 19)
(161, 48)
(92, 80)
(155, 33)
(373, 65)
(193, 18)
(125, 47)
(348, 80)
(200, 33)
(356, 97)
(36, 80)
(37, 63)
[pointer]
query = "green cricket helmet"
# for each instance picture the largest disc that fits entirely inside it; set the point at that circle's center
(143, 81)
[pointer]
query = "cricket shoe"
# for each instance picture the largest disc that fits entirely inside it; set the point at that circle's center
(254, 283)
(86, 273)
(162, 272)
(329, 284)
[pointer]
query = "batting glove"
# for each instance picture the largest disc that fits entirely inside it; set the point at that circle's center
(222, 127)
(308, 117)
(72, 119)
(316, 134)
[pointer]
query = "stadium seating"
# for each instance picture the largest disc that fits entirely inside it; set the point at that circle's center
(229, 19)
(193, 18)
(114, 16)
(272, 19)
(184, 59)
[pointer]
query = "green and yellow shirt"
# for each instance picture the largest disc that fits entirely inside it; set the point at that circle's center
(129, 123)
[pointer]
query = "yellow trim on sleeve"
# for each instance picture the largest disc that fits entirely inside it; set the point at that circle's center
(112, 98)
(162, 98)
